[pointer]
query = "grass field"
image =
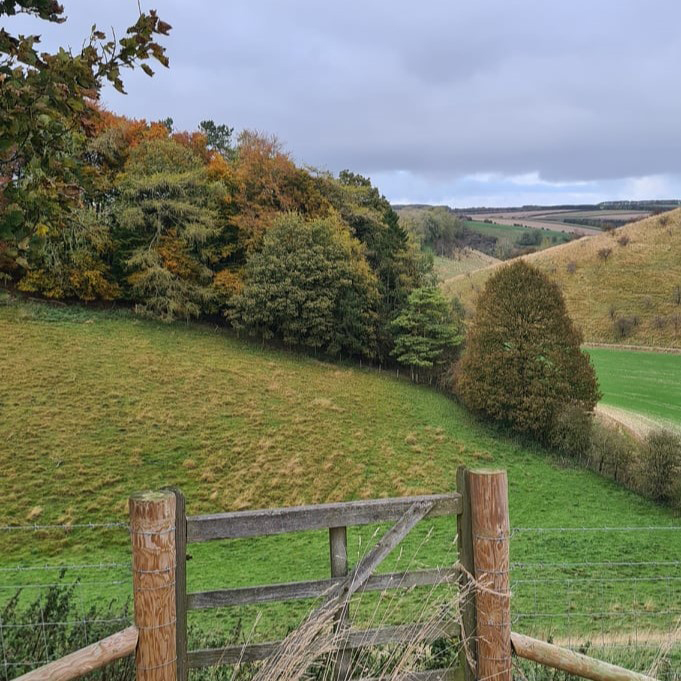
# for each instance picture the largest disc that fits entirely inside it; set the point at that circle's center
(644, 382)
(638, 279)
(507, 235)
(96, 405)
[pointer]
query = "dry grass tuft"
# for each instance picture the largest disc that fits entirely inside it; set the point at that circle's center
(34, 513)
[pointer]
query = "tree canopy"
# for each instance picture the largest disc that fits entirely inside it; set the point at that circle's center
(427, 332)
(522, 362)
(48, 110)
(177, 223)
(310, 285)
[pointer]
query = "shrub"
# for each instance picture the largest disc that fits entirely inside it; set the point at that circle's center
(533, 238)
(660, 467)
(571, 432)
(604, 253)
(612, 453)
(571, 267)
(623, 240)
(24, 640)
(675, 320)
(624, 326)
(523, 364)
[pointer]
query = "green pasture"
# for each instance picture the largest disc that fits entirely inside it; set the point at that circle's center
(507, 235)
(648, 383)
(96, 405)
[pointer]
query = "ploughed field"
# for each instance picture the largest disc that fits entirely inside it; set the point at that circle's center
(96, 405)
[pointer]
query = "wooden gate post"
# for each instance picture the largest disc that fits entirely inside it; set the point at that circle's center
(491, 531)
(152, 532)
(464, 539)
(338, 551)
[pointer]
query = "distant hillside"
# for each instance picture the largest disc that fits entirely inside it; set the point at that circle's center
(622, 286)
(443, 231)
(462, 261)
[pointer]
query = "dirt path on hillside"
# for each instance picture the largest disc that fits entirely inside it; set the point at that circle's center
(637, 424)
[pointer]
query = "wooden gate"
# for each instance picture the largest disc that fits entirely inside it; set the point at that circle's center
(342, 583)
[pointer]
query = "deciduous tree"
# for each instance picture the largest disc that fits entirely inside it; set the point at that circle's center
(47, 112)
(522, 363)
(310, 285)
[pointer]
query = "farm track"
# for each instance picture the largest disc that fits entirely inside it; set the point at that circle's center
(639, 425)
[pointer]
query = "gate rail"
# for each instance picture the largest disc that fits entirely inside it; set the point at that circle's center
(160, 532)
(336, 517)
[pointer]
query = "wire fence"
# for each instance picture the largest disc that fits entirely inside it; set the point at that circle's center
(51, 605)
(613, 592)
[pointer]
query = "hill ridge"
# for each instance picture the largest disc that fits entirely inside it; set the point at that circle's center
(632, 274)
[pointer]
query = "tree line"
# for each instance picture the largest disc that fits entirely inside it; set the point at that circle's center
(194, 224)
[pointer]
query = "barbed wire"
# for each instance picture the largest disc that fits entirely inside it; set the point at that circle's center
(595, 613)
(68, 623)
(651, 578)
(46, 585)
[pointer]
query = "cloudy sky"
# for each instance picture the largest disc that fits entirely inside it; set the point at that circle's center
(485, 102)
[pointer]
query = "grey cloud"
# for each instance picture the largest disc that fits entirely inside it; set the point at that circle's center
(574, 91)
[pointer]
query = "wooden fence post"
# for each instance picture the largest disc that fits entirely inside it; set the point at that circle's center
(181, 583)
(491, 531)
(464, 538)
(152, 532)
(338, 550)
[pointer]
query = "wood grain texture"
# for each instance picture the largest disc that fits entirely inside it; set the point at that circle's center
(243, 524)
(85, 660)
(181, 584)
(355, 639)
(338, 558)
(490, 525)
(249, 595)
(152, 533)
(568, 661)
(464, 539)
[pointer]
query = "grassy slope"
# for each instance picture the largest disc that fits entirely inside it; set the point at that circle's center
(644, 382)
(637, 279)
(509, 234)
(468, 260)
(97, 405)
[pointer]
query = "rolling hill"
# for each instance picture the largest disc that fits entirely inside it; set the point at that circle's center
(97, 404)
(631, 274)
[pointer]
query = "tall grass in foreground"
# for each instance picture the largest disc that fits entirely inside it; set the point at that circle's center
(312, 651)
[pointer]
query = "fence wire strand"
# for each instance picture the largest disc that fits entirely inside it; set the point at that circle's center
(593, 588)
(52, 606)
